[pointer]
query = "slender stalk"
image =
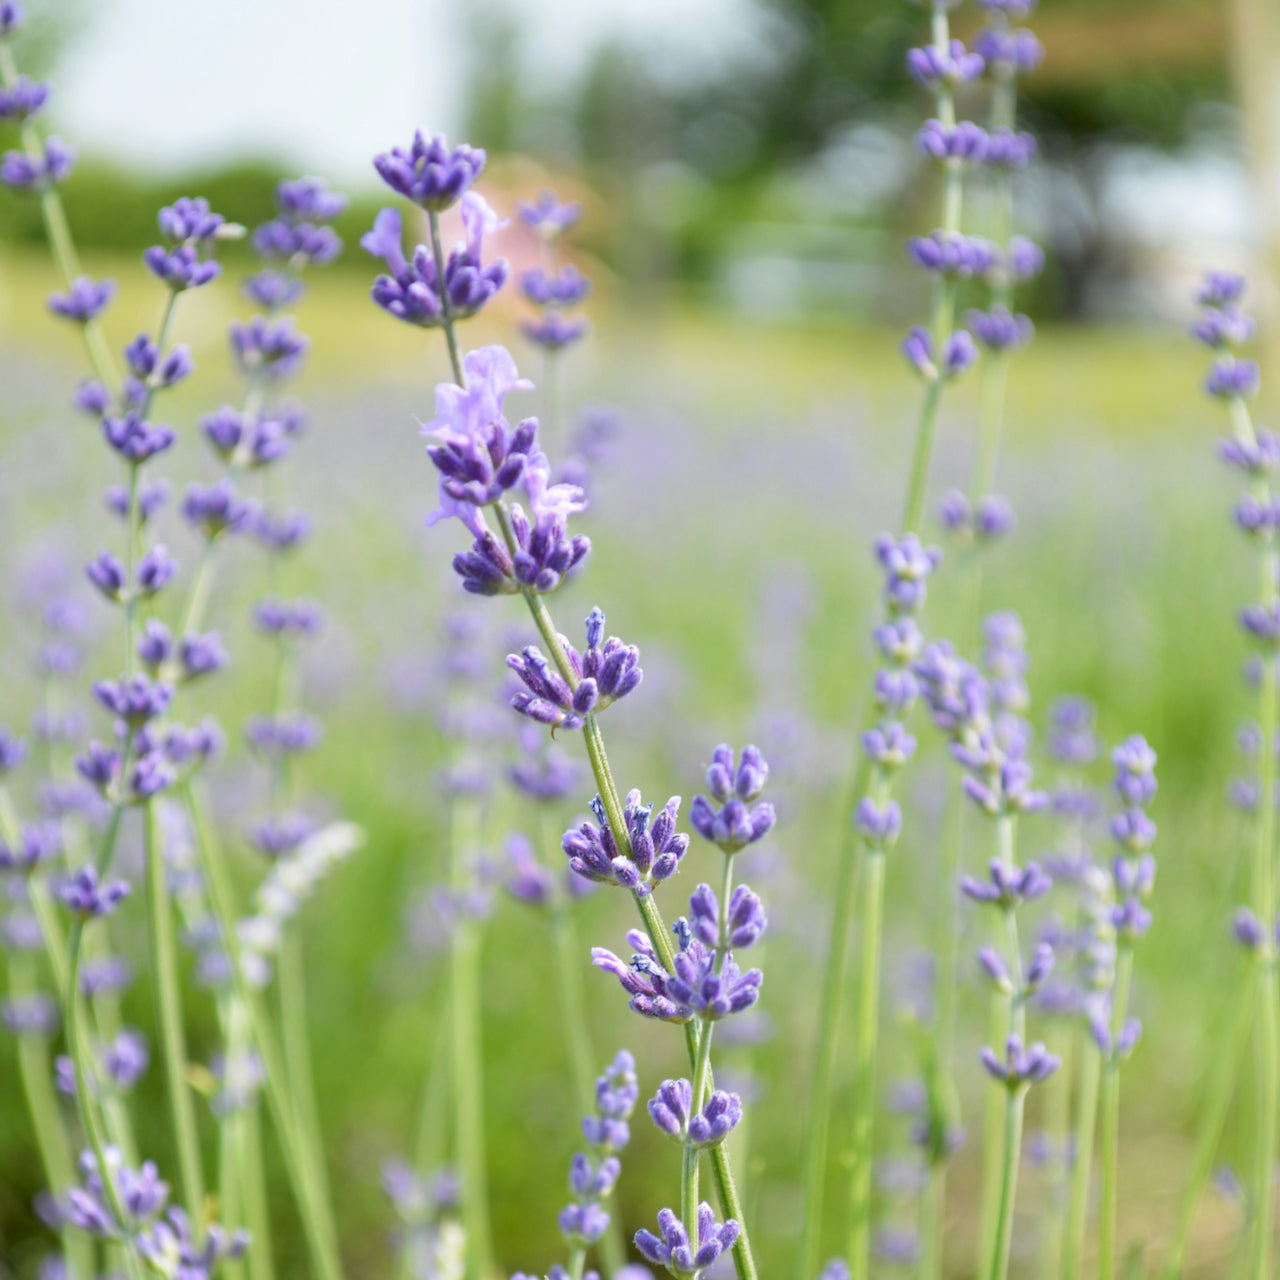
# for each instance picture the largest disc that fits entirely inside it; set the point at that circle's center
(1227, 1059)
(468, 1056)
(446, 316)
(1008, 1182)
(292, 991)
(168, 999)
(314, 1210)
(1086, 1122)
(1109, 1122)
(254, 1196)
(58, 232)
(864, 1065)
(1058, 1127)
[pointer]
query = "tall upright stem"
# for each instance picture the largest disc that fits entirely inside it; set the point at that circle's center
(1008, 1182)
(168, 998)
(1109, 1121)
(1081, 1170)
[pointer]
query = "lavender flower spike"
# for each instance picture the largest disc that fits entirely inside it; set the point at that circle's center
(655, 853)
(1020, 1067)
(430, 173)
(734, 825)
(673, 1250)
(83, 895)
(670, 1109)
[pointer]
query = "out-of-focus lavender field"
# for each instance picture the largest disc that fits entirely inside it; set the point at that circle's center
(731, 517)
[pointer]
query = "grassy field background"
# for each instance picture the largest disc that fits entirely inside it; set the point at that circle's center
(731, 529)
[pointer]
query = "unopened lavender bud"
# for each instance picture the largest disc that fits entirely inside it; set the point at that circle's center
(84, 300)
(155, 571)
(1232, 379)
(1041, 966)
(990, 962)
(879, 824)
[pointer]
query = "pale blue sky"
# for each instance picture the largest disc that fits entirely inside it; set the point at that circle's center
(323, 84)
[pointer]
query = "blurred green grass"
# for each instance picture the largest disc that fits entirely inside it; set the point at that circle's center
(754, 455)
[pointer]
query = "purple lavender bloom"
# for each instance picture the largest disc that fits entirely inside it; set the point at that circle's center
(1073, 740)
(1134, 876)
(547, 217)
(36, 844)
(308, 200)
(1130, 919)
(170, 1243)
(216, 509)
(899, 1246)
(410, 290)
(34, 1015)
(998, 330)
(879, 824)
(429, 173)
(99, 766)
(733, 826)
(1221, 289)
(554, 331)
(478, 455)
(564, 289)
(126, 1059)
(283, 735)
(1017, 52)
(543, 772)
(545, 555)
(201, 655)
(286, 619)
(993, 518)
(958, 354)
(1247, 929)
(268, 347)
(83, 894)
(26, 173)
(23, 99)
(889, 745)
(92, 398)
(1122, 1045)
(673, 1250)
(745, 921)
(1009, 885)
(605, 672)
(952, 255)
(135, 439)
(107, 976)
(1024, 258)
(280, 533)
(1222, 329)
(656, 848)
(1133, 830)
(907, 564)
(954, 690)
(180, 267)
(135, 699)
(189, 220)
(84, 300)
(1020, 1067)
(297, 243)
(1232, 379)
(934, 67)
(527, 879)
(282, 834)
(670, 1110)
(695, 990)
(273, 289)
(1135, 764)
(993, 966)
(12, 751)
(143, 357)
(150, 498)
(958, 142)
(11, 18)
(155, 571)
(1262, 622)
(1009, 150)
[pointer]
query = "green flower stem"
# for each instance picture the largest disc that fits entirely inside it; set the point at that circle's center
(468, 1054)
(79, 1052)
(58, 232)
(831, 1007)
(313, 1209)
(433, 1109)
(1227, 1058)
(1058, 1126)
(1081, 1170)
(446, 315)
(1109, 1120)
(1008, 1182)
(254, 1196)
(865, 1057)
(168, 999)
(564, 935)
(36, 1072)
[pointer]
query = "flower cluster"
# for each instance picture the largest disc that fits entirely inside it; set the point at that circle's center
(552, 288)
(654, 847)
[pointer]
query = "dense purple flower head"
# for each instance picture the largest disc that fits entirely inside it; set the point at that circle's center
(1008, 886)
(1008, 149)
(1119, 1047)
(1221, 289)
(151, 497)
(954, 690)
(546, 553)
(282, 735)
(526, 878)
(547, 217)
(1018, 52)
(1133, 830)
(287, 619)
(933, 67)
(171, 1243)
(1008, 790)
(13, 751)
(1020, 1067)
(961, 141)
(11, 18)
(888, 744)
(216, 508)
(150, 369)
(671, 1110)
(695, 990)
(36, 844)
(180, 267)
(656, 848)
(1223, 328)
(84, 895)
(270, 347)
(23, 99)
(999, 330)
(135, 439)
(190, 220)
(134, 699)
(1130, 919)
(308, 200)
(957, 355)
(429, 172)
(273, 289)
(154, 571)
(952, 255)
(543, 771)
(85, 299)
(907, 564)
(297, 243)
(726, 819)
(1231, 379)
(1135, 765)
(25, 173)
(673, 1249)
(553, 331)
(564, 288)
(1024, 259)
(603, 673)
(1073, 739)
(745, 920)
(410, 291)
(281, 834)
